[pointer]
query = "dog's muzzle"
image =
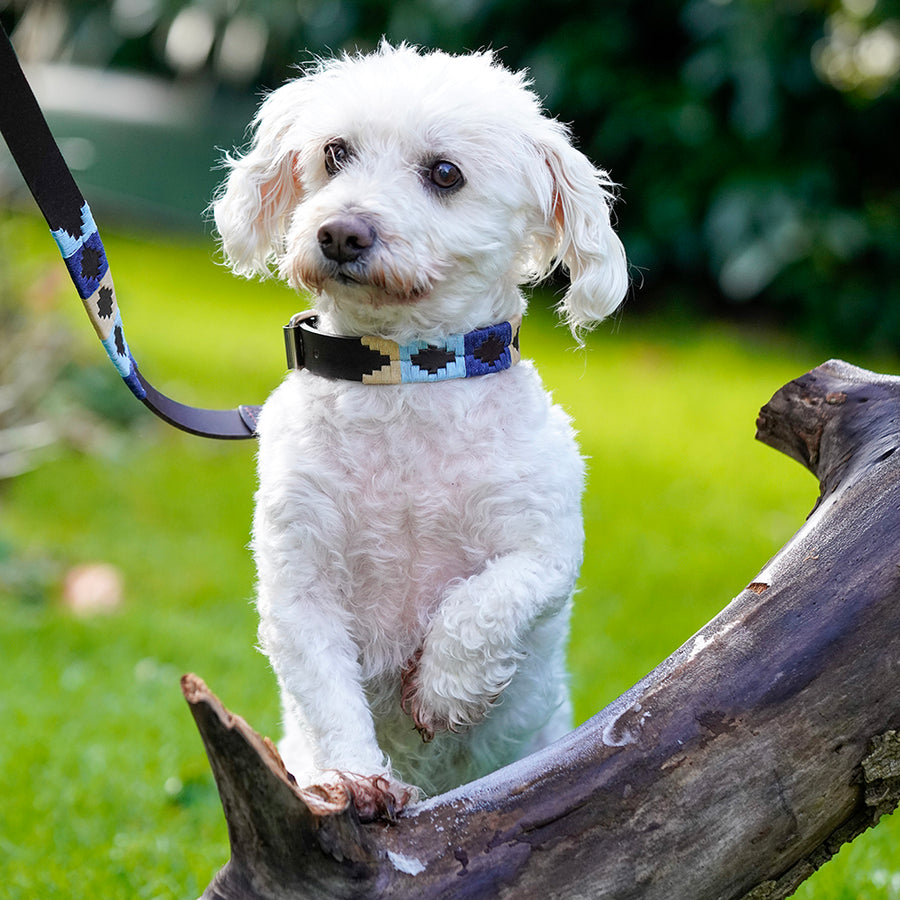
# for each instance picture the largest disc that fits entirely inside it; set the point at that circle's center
(345, 239)
(351, 251)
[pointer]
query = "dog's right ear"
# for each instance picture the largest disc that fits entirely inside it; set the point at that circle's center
(262, 187)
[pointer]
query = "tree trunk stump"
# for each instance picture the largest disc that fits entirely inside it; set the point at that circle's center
(733, 770)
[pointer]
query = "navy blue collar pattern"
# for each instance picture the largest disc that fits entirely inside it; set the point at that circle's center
(375, 360)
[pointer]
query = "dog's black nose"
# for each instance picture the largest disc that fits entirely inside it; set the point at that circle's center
(345, 238)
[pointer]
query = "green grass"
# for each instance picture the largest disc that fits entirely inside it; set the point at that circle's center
(105, 789)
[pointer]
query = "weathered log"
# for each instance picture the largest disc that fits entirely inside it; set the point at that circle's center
(733, 770)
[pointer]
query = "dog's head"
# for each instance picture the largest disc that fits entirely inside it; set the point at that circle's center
(414, 192)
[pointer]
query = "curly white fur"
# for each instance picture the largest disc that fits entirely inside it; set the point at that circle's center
(418, 545)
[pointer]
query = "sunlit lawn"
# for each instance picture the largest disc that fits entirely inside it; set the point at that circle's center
(104, 788)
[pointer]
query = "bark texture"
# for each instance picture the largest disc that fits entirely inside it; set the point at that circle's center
(733, 770)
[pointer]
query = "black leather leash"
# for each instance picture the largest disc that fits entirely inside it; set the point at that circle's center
(54, 189)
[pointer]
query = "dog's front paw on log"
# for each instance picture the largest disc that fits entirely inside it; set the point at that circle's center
(373, 796)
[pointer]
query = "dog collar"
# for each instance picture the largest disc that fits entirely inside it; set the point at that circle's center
(375, 360)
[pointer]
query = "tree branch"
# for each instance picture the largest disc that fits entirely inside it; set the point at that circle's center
(733, 770)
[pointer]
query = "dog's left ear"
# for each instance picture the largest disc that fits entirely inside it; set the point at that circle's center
(585, 241)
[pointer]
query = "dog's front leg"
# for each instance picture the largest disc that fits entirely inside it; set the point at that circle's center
(475, 643)
(329, 733)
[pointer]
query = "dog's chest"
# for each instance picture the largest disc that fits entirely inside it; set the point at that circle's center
(411, 487)
(423, 491)
(411, 507)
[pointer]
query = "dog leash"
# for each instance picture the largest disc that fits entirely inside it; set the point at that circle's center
(54, 189)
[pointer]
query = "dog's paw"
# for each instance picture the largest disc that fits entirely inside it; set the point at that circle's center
(411, 701)
(438, 702)
(378, 796)
(412, 704)
(373, 796)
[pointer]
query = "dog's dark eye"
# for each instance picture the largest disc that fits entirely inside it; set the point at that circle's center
(445, 175)
(336, 155)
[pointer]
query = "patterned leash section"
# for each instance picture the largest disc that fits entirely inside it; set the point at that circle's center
(88, 267)
(41, 163)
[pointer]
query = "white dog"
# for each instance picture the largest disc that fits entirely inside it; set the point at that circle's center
(417, 543)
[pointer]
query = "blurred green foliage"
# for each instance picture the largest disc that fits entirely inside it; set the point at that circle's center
(754, 138)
